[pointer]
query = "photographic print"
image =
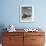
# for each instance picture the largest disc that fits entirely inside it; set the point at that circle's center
(26, 13)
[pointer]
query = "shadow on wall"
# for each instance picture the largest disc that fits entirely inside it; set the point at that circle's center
(2, 26)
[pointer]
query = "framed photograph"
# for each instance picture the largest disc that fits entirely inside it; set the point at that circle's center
(26, 13)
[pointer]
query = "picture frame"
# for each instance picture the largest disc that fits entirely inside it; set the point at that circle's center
(26, 13)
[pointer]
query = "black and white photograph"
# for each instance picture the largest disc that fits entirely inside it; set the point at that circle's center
(26, 13)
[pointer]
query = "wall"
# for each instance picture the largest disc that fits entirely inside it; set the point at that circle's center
(10, 13)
